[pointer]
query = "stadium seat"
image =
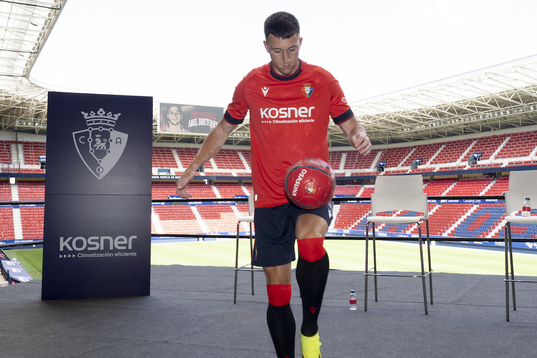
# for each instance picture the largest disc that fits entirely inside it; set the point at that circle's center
(249, 266)
(521, 186)
(389, 196)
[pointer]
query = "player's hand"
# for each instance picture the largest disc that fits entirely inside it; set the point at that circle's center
(357, 135)
(181, 185)
(361, 142)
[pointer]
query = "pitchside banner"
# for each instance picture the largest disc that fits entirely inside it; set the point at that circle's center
(97, 233)
(182, 118)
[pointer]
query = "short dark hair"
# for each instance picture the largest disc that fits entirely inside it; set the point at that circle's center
(282, 25)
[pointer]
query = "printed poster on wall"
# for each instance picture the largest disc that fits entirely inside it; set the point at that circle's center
(187, 119)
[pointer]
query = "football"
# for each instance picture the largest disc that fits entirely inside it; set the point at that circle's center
(310, 183)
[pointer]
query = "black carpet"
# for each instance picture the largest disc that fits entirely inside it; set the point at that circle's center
(190, 313)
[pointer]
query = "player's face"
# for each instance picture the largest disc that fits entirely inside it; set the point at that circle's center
(283, 53)
(174, 116)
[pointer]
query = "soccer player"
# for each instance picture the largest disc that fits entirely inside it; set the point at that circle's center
(290, 104)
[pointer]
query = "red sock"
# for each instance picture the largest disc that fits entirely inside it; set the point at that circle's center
(311, 249)
(279, 295)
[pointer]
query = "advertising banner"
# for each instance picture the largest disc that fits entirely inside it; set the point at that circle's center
(97, 233)
(182, 118)
(14, 272)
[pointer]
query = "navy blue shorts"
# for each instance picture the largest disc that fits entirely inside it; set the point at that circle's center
(275, 232)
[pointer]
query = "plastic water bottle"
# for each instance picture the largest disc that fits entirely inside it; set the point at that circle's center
(352, 301)
(526, 208)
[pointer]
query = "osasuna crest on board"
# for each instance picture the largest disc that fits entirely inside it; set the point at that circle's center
(100, 146)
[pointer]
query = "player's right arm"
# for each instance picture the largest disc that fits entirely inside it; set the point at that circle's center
(212, 144)
(356, 135)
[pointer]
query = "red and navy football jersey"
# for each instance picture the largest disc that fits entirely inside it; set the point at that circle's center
(289, 117)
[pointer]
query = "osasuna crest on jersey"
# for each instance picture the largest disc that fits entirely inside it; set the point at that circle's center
(100, 146)
(307, 90)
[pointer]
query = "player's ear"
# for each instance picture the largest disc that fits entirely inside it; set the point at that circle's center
(266, 45)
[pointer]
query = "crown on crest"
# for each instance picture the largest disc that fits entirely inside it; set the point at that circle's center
(101, 118)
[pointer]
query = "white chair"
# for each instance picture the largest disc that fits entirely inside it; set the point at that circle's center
(401, 192)
(522, 184)
(249, 266)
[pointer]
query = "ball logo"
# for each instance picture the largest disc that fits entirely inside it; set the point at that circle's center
(100, 146)
(310, 188)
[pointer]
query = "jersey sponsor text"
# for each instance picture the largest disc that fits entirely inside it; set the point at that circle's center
(286, 112)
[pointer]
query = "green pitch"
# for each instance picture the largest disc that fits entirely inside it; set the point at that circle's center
(344, 255)
(349, 255)
(31, 260)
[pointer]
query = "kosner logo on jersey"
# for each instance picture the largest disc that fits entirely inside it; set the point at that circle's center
(286, 112)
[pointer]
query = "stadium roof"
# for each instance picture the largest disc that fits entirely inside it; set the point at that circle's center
(495, 98)
(500, 97)
(24, 26)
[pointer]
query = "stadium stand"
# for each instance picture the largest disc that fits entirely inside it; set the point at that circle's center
(352, 215)
(218, 218)
(438, 187)
(425, 152)
(498, 187)
(32, 152)
(334, 159)
(201, 190)
(5, 190)
(242, 209)
(355, 161)
(508, 149)
(520, 144)
(486, 145)
(32, 219)
(163, 158)
(450, 152)
(7, 229)
(347, 189)
(228, 159)
(162, 190)
(395, 156)
(469, 187)
(247, 157)
(367, 191)
(5, 152)
(481, 222)
(187, 154)
(31, 190)
(447, 219)
(394, 171)
(451, 168)
(229, 190)
(520, 231)
(177, 219)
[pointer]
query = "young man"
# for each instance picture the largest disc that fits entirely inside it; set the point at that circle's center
(290, 104)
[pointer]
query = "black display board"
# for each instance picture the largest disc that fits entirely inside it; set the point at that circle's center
(97, 234)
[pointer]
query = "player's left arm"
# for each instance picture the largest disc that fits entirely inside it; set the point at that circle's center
(356, 135)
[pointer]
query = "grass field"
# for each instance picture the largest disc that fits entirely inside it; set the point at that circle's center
(344, 255)
(349, 255)
(30, 259)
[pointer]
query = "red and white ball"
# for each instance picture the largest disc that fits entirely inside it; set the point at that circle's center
(310, 183)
